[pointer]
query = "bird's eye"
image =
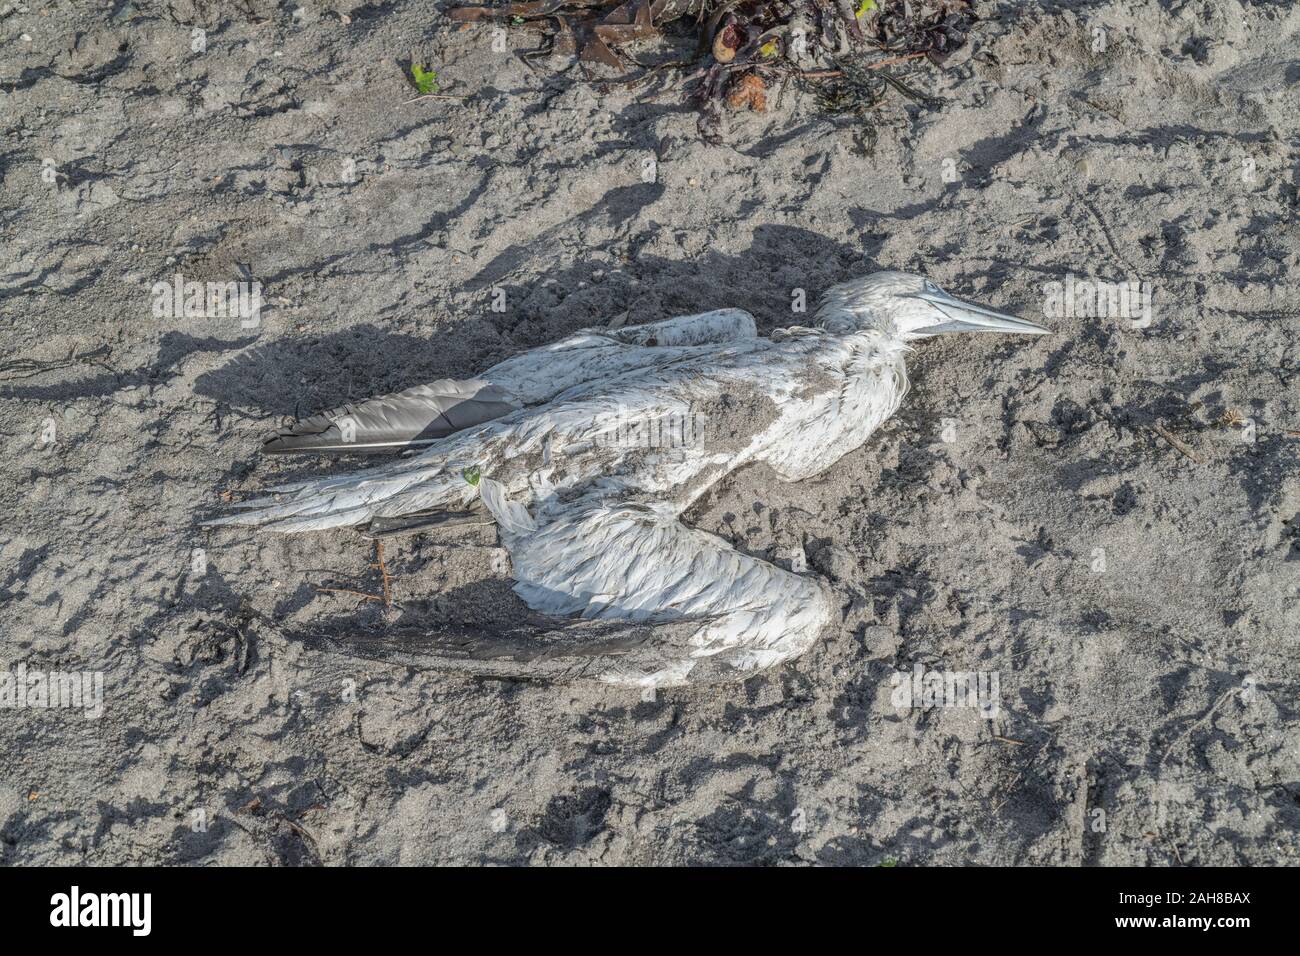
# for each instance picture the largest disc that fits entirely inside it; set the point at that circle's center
(930, 286)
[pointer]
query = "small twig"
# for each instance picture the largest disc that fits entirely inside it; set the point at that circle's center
(1174, 846)
(1009, 740)
(360, 594)
(436, 96)
(894, 59)
(1177, 443)
(302, 832)
(383, 572)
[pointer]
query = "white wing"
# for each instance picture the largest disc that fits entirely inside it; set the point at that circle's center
(422, 415)
(542, 373)
(635, 563)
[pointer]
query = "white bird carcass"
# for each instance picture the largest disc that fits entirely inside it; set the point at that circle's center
(587, 452)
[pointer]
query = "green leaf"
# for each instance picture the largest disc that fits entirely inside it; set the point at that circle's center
(472, 474)
(889, 860)
(426, 80)
(865, 7)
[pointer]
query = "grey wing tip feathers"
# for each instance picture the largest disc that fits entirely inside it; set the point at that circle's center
(317, 433)
(411, 419)
(579, 651)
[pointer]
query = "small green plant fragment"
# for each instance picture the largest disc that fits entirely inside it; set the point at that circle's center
(889, 860)
(426, 80)
(865, 7)
(472, 474)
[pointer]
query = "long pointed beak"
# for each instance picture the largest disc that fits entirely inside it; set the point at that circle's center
(965, 317)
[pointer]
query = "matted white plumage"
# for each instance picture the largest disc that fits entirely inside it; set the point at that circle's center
(553, 444)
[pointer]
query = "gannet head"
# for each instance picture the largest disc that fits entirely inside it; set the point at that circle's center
(909, 306)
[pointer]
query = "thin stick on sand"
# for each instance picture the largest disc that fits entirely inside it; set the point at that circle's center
(383, 573)
(1177, 443)
(360, 594)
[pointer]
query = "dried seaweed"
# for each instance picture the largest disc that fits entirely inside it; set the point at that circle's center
(937, 28)
(745, 46)
(854, 93)
(593, 28)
